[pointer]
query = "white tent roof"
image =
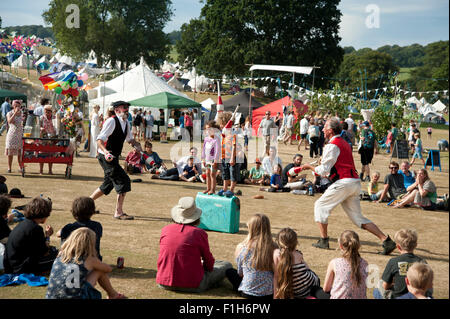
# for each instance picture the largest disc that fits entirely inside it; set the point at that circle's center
(173, 82)
(167, 66)
(427, 108)
(94, 71)
(423, 101)
(67, 60)
(414, 100)
(58, 56)
(21, 62)
(134, 84)
(54, 59)
(439, 106)
(200, 82)
(42, 60)
(284, 68)
(207, 103)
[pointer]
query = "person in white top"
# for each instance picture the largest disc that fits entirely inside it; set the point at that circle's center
(95, 131)
(289, 128)
(350, 132)
(337, 161)
(269, 162)
(109, 145)
(39, 109)
(304, 125)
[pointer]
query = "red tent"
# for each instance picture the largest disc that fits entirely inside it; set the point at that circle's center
(274, 107)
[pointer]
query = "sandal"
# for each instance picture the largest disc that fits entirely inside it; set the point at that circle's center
(119, 296)
(124, 217)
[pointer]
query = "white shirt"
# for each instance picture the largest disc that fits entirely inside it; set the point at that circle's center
(304, 124)
(108, 129)
(290, 121)
(39, 110)
(268, 165)
(350, 123)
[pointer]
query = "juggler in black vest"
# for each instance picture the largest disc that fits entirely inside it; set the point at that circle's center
(114, 144)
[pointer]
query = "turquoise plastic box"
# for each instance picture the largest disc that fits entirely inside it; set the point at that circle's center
(219, 213)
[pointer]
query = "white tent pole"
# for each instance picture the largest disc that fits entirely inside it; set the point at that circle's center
(250, 99)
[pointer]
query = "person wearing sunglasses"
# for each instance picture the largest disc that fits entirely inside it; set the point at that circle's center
(394, 184)
(115, 131)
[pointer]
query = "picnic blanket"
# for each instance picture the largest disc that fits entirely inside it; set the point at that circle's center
(30, 279)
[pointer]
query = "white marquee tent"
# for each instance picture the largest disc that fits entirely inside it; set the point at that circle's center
(439, 106)
(173, 82)
(21, 62)
(208, 103)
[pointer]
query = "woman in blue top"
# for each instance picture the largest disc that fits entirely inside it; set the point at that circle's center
(254, 275)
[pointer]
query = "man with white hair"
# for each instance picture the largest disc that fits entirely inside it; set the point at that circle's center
(337, 164)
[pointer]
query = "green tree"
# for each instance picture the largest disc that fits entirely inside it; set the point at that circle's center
(233, 33)
(366, 68)
(116, 30)
(190, 45)
(408, 56)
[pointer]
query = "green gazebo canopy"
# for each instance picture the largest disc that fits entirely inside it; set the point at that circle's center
(12, 95)
(165, 100)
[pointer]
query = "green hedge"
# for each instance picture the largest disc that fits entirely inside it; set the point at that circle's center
(434, 125)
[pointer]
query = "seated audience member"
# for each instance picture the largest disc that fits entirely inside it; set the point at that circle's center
(346, 276)
(82, 210)
(419, 279)
(197, 270)
(372, 188)
(254, 258)
(276, 185)
(5, 205)
(150, 160)
(292, 276)
(190, 173)
(27, 248)
(290, 175)
(393, 283)
(270, 161)
(422, 193)
(173, 174)
(77, 263)
(442, 145)
(394, 186)
(256, 174)
(408, 176)
(133, 162)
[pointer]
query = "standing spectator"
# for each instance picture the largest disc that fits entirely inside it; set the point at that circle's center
(346, 276)
(350, 131)
(247, 130)
(418, 149)
(95, 130)
(135, 124)
(13, 144)
(304, 125)
(367, 140)
(429, 131)
(162, 125)
(314, 135)
(142, 125)
(189, 124)
(27, 249)
(321, 137)
(6, 107)
(39, 109)
(411, 139)
(254, 257)
(47, 131)
(181, 120)
(197, 270)
(277, 121)
(394, 131)
(266, 127)
(292, 276)
(289, 127)
(149, 121)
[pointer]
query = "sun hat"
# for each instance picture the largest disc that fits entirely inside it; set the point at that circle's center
(186, 211)
(257, 160)
(48, 107)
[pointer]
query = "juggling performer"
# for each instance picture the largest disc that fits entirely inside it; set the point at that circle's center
(115, 131)
(338, 165)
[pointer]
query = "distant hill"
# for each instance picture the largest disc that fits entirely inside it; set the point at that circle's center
(29, 30)
(174, 36)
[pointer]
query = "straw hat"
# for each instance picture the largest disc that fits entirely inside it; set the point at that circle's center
(48, 107)
(186, 211)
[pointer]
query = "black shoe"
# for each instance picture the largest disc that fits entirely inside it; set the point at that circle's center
(388, 246)
(361, 177)
(322, 243)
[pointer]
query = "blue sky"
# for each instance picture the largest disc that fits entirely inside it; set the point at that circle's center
(401, 22)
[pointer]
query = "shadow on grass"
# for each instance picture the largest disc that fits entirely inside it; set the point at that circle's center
(133, 273)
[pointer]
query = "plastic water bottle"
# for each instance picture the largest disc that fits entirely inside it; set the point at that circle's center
(310, 191)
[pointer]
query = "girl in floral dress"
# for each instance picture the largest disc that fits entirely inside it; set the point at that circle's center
(13, 144)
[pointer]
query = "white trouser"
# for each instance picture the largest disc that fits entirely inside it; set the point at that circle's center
(148, 131)
(345, 192)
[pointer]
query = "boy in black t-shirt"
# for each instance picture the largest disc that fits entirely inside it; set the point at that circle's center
(82, 210)
(393, 283)
(189, 171)
(27, 249)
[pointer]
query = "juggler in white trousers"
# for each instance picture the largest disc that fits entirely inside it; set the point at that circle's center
(345, 192)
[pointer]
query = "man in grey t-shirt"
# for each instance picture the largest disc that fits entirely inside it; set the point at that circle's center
(265, 128)
(394, 186)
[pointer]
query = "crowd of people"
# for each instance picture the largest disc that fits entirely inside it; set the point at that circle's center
(265, 268)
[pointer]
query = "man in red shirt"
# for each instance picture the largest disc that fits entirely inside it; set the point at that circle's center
(185, 262)
(337, 164)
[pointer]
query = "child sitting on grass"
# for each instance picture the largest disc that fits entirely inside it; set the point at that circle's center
(419, 280)
(189, 171)
(150, 160)
(133, 162)
(77, 270)
(276, 185)
(256, 174)
(82, 210)
(393, 283)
